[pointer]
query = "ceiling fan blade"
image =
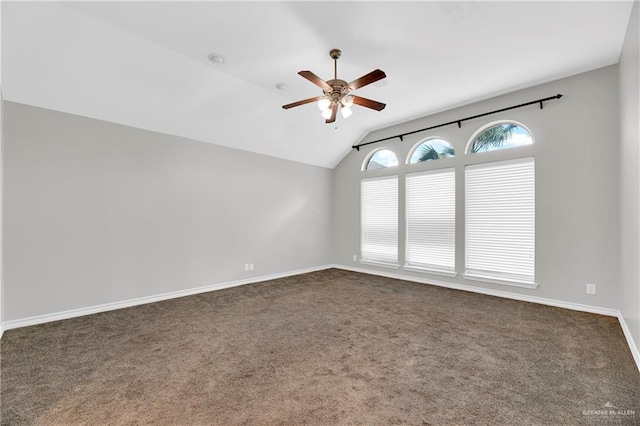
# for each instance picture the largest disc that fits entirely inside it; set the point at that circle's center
(315, 80)
(378, 106)
(302, 102)
(372, 77)
(334, 111)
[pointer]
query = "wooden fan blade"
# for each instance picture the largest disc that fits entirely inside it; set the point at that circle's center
(378, 106)
(315, 80)
(334, 111)
(302, 102)
(372, 77)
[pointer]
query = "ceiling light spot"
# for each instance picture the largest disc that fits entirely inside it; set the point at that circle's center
(216, 58)
(282, 86)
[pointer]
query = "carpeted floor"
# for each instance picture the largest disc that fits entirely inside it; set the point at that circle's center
(330, 347)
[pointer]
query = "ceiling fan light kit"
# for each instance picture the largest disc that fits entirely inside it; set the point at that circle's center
(337, 93)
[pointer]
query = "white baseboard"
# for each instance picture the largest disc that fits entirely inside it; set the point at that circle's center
(41, 319)
(490, 292)
(507, 295)
(632, 345)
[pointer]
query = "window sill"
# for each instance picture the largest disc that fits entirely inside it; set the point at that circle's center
(382, 264)
(493, 280)
(426, 270)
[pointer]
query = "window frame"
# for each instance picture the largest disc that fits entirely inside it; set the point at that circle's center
(425, 267)
(388, 264)
(425, 140)
(370, 156)
(497, 277)
(467, 148)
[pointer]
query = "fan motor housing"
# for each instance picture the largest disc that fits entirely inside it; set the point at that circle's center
(339, 88)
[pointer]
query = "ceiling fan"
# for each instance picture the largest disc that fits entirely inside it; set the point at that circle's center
(337, 93)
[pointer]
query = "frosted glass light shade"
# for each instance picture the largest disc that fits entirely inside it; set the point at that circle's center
(347, 101)
(346, 112)
(326, 113)
(324, 104)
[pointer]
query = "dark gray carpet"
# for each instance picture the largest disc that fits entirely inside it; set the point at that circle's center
(330, 347)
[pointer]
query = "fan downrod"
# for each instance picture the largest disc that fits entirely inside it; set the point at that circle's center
(337, 86)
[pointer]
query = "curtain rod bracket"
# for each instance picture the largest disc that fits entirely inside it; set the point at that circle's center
(401, 137)
(459, 124)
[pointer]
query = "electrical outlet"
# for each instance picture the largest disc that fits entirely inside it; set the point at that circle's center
(591, 289)
(251, 266)
(246, 267)
(355, 257)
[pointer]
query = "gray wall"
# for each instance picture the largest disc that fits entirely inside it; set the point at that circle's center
(630, 176)
(97, 212)
(1, 213)
(577, 161)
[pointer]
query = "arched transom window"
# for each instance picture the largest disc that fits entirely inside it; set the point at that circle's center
(500, 136)
(381, 159)
(431, 149)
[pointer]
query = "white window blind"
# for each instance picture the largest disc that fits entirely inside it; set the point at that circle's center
(500, 221)
(431, 220)
(379, 220)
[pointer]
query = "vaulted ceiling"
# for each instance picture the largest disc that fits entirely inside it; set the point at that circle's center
(145, 64)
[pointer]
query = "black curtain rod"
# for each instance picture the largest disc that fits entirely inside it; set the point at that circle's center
(459, 122)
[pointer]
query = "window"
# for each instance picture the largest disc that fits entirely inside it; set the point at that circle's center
(500, 136)
(500, 222)
(431, 149)
(498, 198)
(431, 221)
(381, 159)
(379, 221)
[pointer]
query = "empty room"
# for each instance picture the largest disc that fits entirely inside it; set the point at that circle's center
(299, 212)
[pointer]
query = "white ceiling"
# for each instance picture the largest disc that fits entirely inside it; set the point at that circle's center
(144, 64)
